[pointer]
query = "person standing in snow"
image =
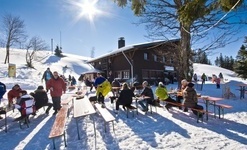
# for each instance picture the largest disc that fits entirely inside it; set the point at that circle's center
(57, 87)
(217, 81)
(103, 87)
(203, 77)
(195, 77)
(47, 75)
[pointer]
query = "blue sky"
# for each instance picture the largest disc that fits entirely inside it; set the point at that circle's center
(49, 18)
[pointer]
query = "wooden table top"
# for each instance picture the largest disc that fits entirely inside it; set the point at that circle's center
(116, 88)
(83, 107)
(210, 98)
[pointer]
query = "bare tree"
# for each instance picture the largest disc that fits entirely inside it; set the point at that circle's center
(13, 31)
(34, 45)
(199, 24)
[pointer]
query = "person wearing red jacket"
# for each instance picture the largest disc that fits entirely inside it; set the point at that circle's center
(57, 87)
(14, 93)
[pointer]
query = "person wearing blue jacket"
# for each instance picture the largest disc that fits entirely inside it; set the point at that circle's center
(2, 90)
(103, 87)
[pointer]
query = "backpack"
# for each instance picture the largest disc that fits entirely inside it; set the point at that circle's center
(27, 107)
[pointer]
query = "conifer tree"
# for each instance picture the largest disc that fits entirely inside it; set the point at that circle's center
(241, 62)
(58, 51)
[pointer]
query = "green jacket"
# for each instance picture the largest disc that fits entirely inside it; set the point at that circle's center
(161, 93)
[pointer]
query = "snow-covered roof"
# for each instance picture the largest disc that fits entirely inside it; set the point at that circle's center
(126, 48)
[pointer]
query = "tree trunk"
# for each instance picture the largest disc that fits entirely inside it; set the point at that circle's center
(7, 55)
(184, 65)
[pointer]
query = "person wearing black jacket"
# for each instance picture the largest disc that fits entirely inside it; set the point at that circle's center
(41, 99)
(125, 97)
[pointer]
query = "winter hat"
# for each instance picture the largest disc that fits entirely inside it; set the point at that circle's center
(23, 92)
(190, 84)
(40, 87)
(16, 85)
(161, 84)
(145, 83)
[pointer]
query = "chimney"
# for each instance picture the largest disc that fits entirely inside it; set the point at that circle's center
(121, 42)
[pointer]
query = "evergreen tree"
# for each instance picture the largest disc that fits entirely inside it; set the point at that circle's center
(217, 61)
(201, 57)
(221, 60)
(241, 62)
(58, 51)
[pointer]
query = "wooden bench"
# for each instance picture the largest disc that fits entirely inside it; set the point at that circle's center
(174, 104)
(107, 116)
(221, 108)
(200, 112)
(130, 108)
(58, 128)
(67, 102)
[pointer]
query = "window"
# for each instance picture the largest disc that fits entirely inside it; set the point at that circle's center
(146, 56)
(126, 74)
(118, 74)
(164, 59)
(155, 57)
(145, 74)
(171, 60)
(152, 74)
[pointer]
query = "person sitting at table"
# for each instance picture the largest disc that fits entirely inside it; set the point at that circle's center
(184, 83)
(125, 97)
(146, 92)
(190, 99)
(41, 99)
(14, 93)
(161, 94)
(115, 89)
(25, 104)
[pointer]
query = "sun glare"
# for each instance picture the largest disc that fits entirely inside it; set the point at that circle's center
(88, 9)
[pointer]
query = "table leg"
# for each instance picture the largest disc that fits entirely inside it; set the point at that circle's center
(136, 107)
(243, 92)
(77, 128)
(94, 131)
(207, 109)
(214, 110)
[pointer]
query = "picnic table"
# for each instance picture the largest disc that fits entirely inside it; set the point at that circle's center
(83, 108)
(210, 100)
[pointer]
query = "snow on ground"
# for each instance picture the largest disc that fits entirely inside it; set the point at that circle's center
(160, 130)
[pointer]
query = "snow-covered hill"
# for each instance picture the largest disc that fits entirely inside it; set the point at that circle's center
(69, 65)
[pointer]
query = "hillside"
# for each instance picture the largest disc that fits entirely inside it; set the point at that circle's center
(69, 65)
